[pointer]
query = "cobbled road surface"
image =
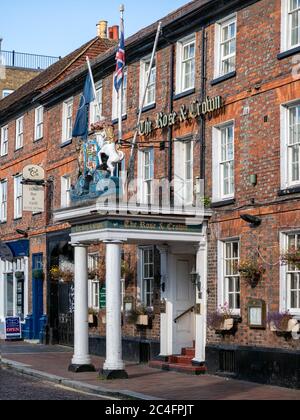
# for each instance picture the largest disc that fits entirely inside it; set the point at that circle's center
(15, 387)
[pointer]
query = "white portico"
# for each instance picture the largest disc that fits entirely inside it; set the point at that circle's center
(183, 262)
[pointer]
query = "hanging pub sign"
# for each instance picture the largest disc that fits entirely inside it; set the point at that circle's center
(33, 173)
(186, 113)
(33, 198)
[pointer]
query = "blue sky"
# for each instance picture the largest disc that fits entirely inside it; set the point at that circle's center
(58, 27)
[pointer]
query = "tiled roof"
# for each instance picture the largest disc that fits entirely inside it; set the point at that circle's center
(55, 72)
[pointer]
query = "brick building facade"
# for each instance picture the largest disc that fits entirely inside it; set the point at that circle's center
(246, 53)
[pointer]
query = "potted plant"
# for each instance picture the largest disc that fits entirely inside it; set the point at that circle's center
(221, 320)
(283, 322)
(251, 271)
(291, 257)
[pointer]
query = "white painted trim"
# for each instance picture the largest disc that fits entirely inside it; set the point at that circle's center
(217, 45)
(284, 136)
(136, 236)
(283, 292)
(143, 80)
(216, 159)
(19, 133)
(65, 105)
(179, 48)
(221, 291)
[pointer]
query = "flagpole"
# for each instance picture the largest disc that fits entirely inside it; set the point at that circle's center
(120, 91)
(93, 85)
(144, 97)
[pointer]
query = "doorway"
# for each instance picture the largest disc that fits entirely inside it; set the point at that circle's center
(184, 298)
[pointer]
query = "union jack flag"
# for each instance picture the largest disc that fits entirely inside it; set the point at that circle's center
(120, 59)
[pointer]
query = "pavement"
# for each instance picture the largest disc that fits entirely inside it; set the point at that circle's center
(14, 387)
(50, 363)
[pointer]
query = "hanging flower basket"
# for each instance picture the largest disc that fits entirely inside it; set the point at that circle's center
(251, 271)
(67, 276)
(38, 274)
(19, 275)
(291, 257)
(55, 273)
(126, 271)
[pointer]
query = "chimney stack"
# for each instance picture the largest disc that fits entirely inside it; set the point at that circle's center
(110, 33)
(102, 29)
(115, 33)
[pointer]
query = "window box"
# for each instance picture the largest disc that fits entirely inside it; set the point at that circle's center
(143, 320)
(283, 323)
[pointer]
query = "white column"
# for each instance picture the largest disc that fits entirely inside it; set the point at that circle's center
(201, 319)
(81, 361)
(166, 326)
(114, 366)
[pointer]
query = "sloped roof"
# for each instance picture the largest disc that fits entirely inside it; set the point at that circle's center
(53, 73)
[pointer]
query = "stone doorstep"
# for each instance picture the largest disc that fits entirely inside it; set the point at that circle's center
(76, 385)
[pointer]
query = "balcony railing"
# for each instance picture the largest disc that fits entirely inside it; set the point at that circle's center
(26, 61)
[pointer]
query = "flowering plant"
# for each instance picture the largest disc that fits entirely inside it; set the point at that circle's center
(279, 320)
(217, 319)
(251, 271)
(292, 256)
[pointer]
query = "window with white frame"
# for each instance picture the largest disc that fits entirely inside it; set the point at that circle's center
(223, 162)
(291, 277)
(65, 191)
(229, 290)
(18, 197)
(290, 145)
(144, 74)
(290, 24)
(94, 281)
(186, 55)
(67, 124)
(19, 133)
(146, 175)
(39, 123)
(96, 104)
(3, 201)
(225, 48)
(4, 140)
(147, 276)
(183, 172)
(124, 98)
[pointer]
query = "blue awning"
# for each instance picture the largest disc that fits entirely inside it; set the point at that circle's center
(19, 248)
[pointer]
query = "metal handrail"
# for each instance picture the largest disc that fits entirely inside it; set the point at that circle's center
(191, 309)
(26, 60)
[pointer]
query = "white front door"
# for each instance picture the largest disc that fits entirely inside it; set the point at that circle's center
(184, 298)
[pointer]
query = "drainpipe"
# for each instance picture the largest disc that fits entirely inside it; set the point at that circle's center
(202, 99)
(170, 129)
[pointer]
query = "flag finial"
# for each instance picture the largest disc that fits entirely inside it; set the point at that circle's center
(122, 8)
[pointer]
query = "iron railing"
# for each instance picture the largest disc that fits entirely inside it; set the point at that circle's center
(26, 61)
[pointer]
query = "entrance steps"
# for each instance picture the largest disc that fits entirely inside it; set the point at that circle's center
(180, 363)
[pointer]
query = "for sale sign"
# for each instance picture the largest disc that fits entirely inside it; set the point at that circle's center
(13, 329)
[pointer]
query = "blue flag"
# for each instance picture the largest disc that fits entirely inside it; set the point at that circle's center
(81, 126)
